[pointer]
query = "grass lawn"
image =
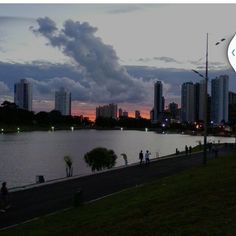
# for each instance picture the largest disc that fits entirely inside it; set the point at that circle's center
(201, 201)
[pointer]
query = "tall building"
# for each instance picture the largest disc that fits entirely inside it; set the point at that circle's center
(232, 108)
(152, 115)
(125, 114)
(120, 112)
(199, 98)
(137, 114)
(220, 99)
(173, 109)
(107, 111)
(63, 102)
(232, 98)
(187, 102)
(23, 95)
(158, 101)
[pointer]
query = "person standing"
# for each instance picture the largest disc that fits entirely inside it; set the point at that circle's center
(147, 157)
(190, 150)
(4, 197)
(125, 158)
(141, 157)
(186, 150)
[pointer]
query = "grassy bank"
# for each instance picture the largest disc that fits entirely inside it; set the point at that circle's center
(201, 201)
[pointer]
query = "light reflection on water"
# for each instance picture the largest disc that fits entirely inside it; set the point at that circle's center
(25, 155)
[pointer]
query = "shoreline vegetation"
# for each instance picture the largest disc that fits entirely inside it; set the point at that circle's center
(178, 205)
(13, 119)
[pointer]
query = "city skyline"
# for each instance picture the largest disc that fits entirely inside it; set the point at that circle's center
(119, 67)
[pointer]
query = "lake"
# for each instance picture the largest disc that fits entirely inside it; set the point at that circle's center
(25, 155)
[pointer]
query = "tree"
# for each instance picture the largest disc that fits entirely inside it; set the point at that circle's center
(100, 158)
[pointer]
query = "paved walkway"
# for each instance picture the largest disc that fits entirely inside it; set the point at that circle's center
(30, 203)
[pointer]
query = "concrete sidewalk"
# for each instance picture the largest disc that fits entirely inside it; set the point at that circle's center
(48, 198)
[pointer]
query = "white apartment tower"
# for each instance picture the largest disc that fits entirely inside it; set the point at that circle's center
(219, 99)
(23, 95)
(63, 102)
(187, 102)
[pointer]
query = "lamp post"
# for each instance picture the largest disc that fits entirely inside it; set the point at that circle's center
(206, 99)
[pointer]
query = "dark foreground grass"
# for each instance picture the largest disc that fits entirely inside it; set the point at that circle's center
(201, 201)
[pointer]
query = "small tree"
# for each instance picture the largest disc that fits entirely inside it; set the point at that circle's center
(100, 158)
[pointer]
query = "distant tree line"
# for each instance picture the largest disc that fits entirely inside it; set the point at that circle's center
(11, 115)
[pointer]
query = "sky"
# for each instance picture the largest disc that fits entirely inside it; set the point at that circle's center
(107, 53)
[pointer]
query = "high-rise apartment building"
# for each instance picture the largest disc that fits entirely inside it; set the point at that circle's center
(63, 102)
(187, 102)
(219, 99)
(173, 109)
(23, 95)
(158, 101)
(137, 114)
(107, 111)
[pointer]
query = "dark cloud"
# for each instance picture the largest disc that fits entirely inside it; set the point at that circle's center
(125, 9)
(214, 65)
(7, 19)
(47, 26)
(104, 75)
(164, 59)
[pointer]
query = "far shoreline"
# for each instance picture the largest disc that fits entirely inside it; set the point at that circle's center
(25, 129)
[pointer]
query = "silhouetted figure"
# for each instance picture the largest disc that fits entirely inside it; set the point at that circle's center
(210, 147)
(4, 197)
(147, 157)
(176, 151)
(216, 152)
(141, 157)
(190, 150)
(125, 158)
(69, 169)
(186, 150)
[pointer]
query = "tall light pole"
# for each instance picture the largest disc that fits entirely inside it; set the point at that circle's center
(206, 99)
(206, 106)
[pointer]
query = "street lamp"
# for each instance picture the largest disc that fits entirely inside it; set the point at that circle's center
(206, 98)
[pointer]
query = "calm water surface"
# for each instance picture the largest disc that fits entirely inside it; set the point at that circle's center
(25, 155)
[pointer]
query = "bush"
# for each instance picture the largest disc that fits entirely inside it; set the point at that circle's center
(100, 158)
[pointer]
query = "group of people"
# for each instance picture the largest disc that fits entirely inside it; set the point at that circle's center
(143, 157)
(188, 150)
(146, 156)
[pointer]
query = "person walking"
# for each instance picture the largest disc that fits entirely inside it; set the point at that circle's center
(4, 197)
(147, 157)
(141, 157)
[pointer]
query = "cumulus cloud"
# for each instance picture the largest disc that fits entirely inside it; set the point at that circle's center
(48, 87)
(3, 88)
(106, 79)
